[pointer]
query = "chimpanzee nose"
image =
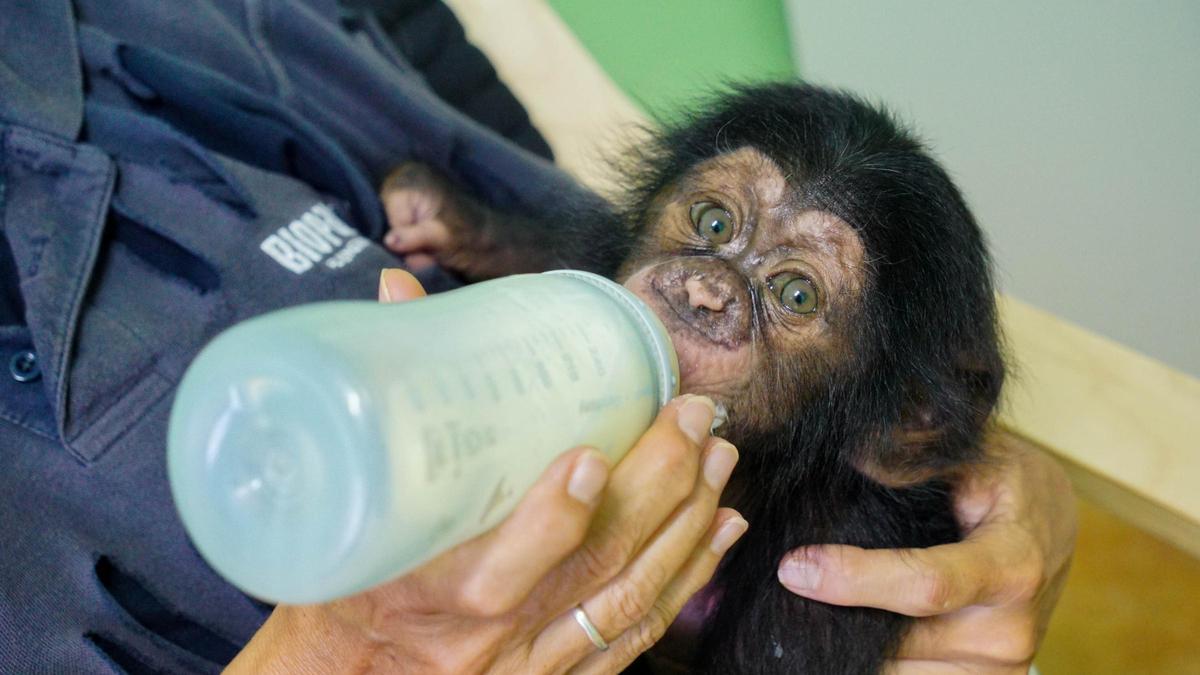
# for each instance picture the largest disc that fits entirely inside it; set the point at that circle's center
(707, 295)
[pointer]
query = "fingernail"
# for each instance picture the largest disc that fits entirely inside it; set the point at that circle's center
(696, 416)
(719, 418)
(383, 288)
(800, 573)
(588, 478)
(719, 464)
(729, 532)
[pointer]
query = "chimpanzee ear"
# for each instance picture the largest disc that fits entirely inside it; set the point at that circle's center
(902, 458)
(939, 428)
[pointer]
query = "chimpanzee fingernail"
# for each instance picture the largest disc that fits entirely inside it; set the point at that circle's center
(588, 478)
(729, 532)
(696, 416)
(799, 573)
(719, 464)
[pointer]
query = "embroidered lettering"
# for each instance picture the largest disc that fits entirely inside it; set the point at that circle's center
(348, 254)
(326, 214)
(321, 227)
(285, 255)
(318, 235)
(307, 235)
(286, 235)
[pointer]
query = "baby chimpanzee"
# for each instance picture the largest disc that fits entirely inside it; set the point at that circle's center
(823, 280)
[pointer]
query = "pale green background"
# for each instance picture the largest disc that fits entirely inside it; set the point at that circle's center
(663, 52)
(1073, 127)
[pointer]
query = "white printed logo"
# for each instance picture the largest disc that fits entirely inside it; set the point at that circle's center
(317, 236)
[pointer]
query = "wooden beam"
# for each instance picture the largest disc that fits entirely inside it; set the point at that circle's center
(1127, 427)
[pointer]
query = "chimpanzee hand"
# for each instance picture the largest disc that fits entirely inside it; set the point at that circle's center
(431, 221)
(984, 602)
(629, 545)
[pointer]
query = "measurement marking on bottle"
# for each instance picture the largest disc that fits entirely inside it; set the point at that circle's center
(543, 374)
(492, 387)
(442, 390)
(467, 388)
(594, 404)
(500, 494)
(572, 369)
(451, 444)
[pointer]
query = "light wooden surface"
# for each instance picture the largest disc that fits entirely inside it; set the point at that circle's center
(1126, 427)
(1129, 607)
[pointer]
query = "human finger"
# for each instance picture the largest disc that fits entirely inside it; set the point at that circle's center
(397, 285)
(493, 573)
(634, 597)
(999, 636)
(653, 479)
(727, 527)
(632, 593)
(912, 667)
(915, 581)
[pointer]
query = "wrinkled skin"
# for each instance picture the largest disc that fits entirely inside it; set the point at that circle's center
(726, 323)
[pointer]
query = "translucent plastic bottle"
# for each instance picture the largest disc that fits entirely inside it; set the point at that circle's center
(318, 451)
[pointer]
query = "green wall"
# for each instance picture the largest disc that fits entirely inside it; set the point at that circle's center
(664, 52)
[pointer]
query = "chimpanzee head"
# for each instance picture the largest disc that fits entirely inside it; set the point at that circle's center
(822, 277)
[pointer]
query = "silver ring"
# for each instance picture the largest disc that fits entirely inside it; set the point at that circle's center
(588, 627)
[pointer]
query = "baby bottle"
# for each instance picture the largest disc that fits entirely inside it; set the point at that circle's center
(318, 451)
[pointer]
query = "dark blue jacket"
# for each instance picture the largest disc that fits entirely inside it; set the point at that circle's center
(169, 167)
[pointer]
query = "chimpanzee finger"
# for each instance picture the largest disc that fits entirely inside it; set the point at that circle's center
(419, 261)
(726, 528)
(915, 582)
(495, 572)
(424, 235)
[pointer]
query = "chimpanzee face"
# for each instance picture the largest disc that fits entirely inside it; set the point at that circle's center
(757, 289)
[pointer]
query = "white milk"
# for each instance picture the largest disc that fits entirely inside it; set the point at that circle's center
(318, 451)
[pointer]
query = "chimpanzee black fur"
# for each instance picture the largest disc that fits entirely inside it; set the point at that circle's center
(925, 374)
(912, 399)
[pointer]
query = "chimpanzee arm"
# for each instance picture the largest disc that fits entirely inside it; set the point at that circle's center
(432, 220)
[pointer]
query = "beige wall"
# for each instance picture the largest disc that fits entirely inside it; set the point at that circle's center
(1072, 125)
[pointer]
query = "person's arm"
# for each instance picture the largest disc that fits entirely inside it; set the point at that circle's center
(983, 603)
(628, 544)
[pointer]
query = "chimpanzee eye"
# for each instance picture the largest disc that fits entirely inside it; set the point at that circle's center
(797, 294)
(712, 222)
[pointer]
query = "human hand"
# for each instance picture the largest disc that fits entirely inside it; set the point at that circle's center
(630, 545)
(983, 603)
